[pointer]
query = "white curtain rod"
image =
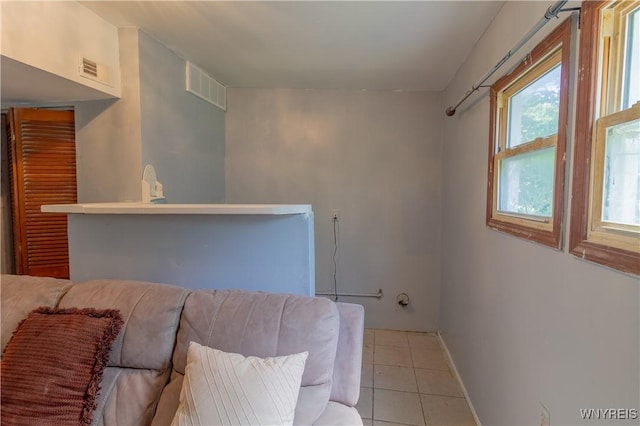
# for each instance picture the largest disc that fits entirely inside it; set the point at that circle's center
(552, 12)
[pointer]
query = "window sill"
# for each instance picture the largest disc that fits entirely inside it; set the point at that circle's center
(622, 260)
(540, 236)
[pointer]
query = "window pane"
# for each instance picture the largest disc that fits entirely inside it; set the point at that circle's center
(621, 197)
(526, 183)
(533, 111)
(631, 88)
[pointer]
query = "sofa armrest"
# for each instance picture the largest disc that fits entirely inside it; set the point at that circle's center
(348, 363)
(21, 294)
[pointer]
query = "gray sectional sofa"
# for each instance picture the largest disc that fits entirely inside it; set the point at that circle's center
(142, 382)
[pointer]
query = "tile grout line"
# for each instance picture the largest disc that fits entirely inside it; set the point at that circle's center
(373, 378)
(424, 419)
(443, 351)
(459, 379)
(414, 375)
(421, 393)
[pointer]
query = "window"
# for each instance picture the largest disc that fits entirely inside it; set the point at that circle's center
(605, 218)
(527, 143)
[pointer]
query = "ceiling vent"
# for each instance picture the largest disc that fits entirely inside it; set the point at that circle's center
(205, 87)
(94, 71)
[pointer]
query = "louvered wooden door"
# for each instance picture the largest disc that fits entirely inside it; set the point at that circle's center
(42, 169)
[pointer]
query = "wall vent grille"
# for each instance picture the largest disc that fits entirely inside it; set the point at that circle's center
(94, 71)
(89, 67)
(205, 87)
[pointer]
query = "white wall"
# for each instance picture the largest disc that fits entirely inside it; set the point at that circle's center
(525, 323)
(374, 156)
(53, 35)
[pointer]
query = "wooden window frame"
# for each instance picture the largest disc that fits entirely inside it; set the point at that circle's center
(589, 238)
(541, 230)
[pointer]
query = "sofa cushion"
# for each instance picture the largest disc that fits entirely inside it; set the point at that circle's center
(53, 366)
(22, 294)
(132, 396)
(337, 414)
(169, 400)
(348, 365)
(221, 388)
(151, 315)
(141, 355)
(262, 325)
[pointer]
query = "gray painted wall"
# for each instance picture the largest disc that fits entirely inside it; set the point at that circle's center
(247, 252)
(156, 121)
(525, 323)
(182, 135)
(374, 156)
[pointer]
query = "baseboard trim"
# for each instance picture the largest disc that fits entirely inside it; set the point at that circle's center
(455, 372)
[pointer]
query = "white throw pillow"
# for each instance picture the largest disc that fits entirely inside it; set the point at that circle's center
(221, 388)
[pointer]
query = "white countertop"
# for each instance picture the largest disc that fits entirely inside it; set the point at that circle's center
(144, 208)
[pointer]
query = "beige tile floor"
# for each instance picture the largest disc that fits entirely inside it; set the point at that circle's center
(407, 380)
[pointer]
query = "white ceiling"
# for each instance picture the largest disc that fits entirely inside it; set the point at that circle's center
(393, 45)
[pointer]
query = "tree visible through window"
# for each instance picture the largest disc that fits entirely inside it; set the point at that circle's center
(605, 220)
(534, 110)
(621, 203)
(527, 143)
(526, 183)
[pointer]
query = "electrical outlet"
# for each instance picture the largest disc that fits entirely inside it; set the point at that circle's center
(544, 417)
(335, 214)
